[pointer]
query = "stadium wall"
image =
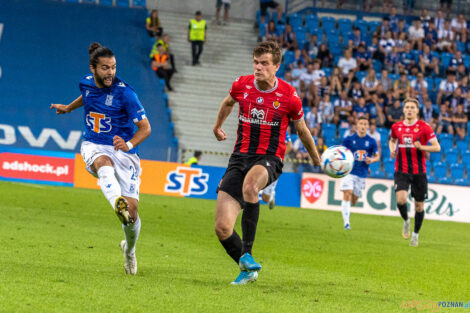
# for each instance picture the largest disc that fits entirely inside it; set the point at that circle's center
(241, 9)
(310, 191)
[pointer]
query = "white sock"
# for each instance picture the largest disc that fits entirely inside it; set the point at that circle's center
(109, 184)
(131, 232)
(345, 210)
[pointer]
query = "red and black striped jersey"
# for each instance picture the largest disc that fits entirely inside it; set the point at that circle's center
(409, 159)
(264, 116)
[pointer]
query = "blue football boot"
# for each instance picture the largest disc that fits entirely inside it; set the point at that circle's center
(247, 263)
(245, 277)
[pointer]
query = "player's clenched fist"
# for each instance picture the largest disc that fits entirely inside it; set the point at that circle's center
(219, 134)
(120, 144)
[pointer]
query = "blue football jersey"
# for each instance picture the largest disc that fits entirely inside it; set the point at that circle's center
(110, 111)
(361, 147)
(288, 139)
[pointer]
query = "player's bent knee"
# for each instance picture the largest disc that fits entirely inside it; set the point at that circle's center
(102, 161)
(265, 197)
(222, 230)
(250, 191)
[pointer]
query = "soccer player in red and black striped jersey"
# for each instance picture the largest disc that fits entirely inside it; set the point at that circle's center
(266, 105)
(410, 140)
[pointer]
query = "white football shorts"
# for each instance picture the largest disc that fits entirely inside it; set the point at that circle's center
(126, 166)
(355, 183)
(271, 189)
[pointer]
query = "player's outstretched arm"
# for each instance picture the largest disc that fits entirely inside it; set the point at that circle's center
(306, 138)
(225, 109)
(62, 109)
(392, 145)
(143, 131)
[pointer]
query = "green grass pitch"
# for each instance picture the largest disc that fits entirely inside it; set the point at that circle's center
(59, 253)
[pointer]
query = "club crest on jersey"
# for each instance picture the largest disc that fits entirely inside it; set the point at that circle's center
(416, 130)
(98, 122)
(109, 100)
(260, 100)
(245, 95)
(276, 104)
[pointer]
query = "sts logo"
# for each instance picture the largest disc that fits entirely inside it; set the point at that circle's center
(98, 122)
(187, 181)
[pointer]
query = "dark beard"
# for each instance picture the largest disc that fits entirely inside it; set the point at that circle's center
(100, 81)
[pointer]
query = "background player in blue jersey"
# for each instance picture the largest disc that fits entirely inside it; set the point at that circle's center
(365, 151)
(269, 192)
(109, 149)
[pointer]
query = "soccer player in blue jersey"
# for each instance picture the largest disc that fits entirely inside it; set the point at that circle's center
(270, 191)
(365, 151)
(109, 148)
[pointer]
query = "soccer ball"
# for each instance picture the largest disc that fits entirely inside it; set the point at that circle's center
(337, 161)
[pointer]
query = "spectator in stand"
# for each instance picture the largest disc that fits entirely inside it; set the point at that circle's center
(394, 113)
(321, 90)
(431, 36)
(446, 5)
(444, 123)
(311, 48)
(401, 42)
(374, 50)
(271, 32)
(335, 83)
(384, 28)
(439, 20)
(325, 56)
(302, 156)
(153, 25)
(393, 20)
(375, 108)
(407, 61)
(326, 109)
(162, 67)
(459, 27)
(461, 72)
(347, 63)
(428, 64)
(446, 38)
(352, 128)
(314, 120)
(343, 109)
(318, 73)
(363, 58)
(447, 88)
(458, 98)
(288, 40)
(360, 109)
(456, 61)
(392, 62)
(298, 57)
(372, 131)
(358, 38)
(463, 84)
(370, 83)
(385, 81)
(218, 6)
(197, 36)
(349, 80)
(165, 42)
(402, 29)
(402, 87)
(321, 147)
(307, 86)
(416, 35)
(419, 87)
(298, 71)
(294, 83)
(264, 5)
(425, 19)
(386, 44)
(428, 114)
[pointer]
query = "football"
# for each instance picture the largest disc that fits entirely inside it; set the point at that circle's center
(337, 161)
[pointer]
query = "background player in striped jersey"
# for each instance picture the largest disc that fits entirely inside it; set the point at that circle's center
(110, 142)
(266, 105)
(365, 151)
(268, 194)
(409, 142)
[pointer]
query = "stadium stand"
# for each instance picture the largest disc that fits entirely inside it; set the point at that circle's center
(57, 57)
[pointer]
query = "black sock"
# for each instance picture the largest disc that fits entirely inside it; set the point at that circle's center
(233, 246)
(249, 222)
(403, 208)
(419, 217)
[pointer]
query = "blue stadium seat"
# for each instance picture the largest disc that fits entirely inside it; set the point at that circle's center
(446, 143)
(328, 71)
(466, 159)
(262, 30)
(106, 2)
(452, 156)
(341, 132)
(296, 20)
(462, 145)
(435, 157)
(373, 26)
(432, 179)
(383, 134)
(289, 57)
(389, 166)
(462, 182)
(88, 1)
(374, 166)
(466, 60)
(461, 46)
(440, 170)
(445, 136)
(329, 133)
(360, 75)
(385, 153)
(377, 65)
(328, 22)
(445, 59)
(362, 25)
(446, 180)
(430, 82)
(122, 3)
(311, 22)
(437, 82)
(344, 25)
(428, 166)
(330, 126)
(394, 77)
(416, 54)
(300, 34)
(280, 29)
(336, 49)
(457, 171)
(332, 37)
